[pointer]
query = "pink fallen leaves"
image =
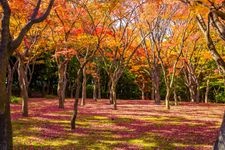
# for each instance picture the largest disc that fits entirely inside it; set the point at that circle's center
(188, 124)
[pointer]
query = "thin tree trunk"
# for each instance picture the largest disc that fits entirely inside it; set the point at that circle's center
(167, 98)
(207, 91)
(95, 90)
(99, 87)
(22, 77)
(84, 87)
(143, 91)
(110, 92)
(175, 97)
(142, 94)
(62, 68)
(113, 92)
(157, 89)
(192, 93)
(197, 92)
(76, 102)
(9, 81)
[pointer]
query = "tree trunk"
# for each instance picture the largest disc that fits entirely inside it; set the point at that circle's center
(6, 142)
(197, 92)
(143, 91)
(157, 91)
(23, 81)
(62, 68)
(84, 87)
(99, 87)
(152, 92)
(110, 92)
(142, 94)
(175, 97)
(76, 102)
(156, 84)
(10, 76)
(220, 142)
(167, 98)
(113, 92)
(95, 90)
(207, 91)
(192, 93)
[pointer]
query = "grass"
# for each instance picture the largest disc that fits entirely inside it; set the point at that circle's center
(135, 125)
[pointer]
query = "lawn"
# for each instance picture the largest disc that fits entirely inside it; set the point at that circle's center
(135, 125)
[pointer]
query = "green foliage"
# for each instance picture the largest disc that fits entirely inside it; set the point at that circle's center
(15, 100)
(127, 88)
(220, 97)
(50, 96)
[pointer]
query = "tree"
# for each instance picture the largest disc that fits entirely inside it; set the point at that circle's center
(214, 17)
(121, 43)
(9, 43)
(66, 15)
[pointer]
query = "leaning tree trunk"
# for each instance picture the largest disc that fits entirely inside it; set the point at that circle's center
(84, 87)
(220, 142)
(23, 81)
(6, 142)
(76, 102)
(62, 68)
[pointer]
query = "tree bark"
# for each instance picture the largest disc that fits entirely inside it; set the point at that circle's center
(175, 97)
(143, 91)
(156, 84)
(113, 92)
(23, 81)
(110, 92)
(6, 142)
(220, 142)
(11, 71)
(207, 91)
(62, 68)
(157, 89)
(167, 99)
(84, 87)
(76, 102)
(142, 94)
(95, 90)
(99, 87)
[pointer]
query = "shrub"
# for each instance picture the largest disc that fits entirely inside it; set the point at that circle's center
(50, 96)
(15, 100)
(220, 97)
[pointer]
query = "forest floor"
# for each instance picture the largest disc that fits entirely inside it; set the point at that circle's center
(135, 125)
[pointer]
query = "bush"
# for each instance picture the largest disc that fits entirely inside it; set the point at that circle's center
(50, 96)
(220, 97)
(15, 100)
